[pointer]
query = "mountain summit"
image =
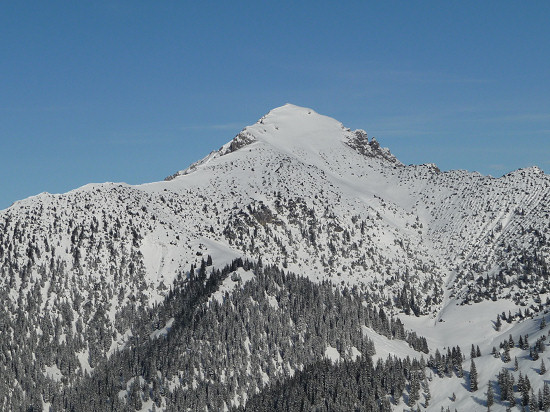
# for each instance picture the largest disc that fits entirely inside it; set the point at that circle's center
(300, 132)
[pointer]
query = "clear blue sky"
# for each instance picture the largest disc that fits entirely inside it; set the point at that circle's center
(94, 91)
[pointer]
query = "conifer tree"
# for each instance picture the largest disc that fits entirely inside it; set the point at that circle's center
(533, 404)
(524, 386)
(546, 396)
(506, 355)
(427, 396)
(498, 323)
(414, 391)
(473, 376)
(510, 388)
(490, 396)
(542, 369)
(459, 370)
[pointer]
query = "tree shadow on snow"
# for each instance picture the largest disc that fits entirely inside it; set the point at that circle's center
(537, 370)
(479, 401)
(466, 381)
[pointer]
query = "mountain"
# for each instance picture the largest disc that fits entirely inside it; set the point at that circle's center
(113, 274)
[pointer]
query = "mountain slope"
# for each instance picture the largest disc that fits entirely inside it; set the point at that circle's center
(296, 190)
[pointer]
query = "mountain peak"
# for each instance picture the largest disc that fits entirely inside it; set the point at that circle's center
(299, 131)
(290, 109)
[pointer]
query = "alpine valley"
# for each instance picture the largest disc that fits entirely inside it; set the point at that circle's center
(300, 267)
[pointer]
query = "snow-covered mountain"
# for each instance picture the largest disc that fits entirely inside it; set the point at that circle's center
(298, 191)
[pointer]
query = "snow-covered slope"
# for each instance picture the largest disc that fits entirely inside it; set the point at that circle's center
(297, 190)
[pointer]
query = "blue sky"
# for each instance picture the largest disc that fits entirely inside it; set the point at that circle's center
(132, 91)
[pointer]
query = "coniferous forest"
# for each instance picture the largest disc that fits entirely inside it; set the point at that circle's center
(217, 353)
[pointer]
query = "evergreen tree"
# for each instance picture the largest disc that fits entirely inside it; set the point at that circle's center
(414, 391)
(533, 404)
(498, 323)
(427, 396)
(546, 396)
(459, 370)
(506, 355)
(473, 376)
(490, 396)
(542, 369)
(524, 387)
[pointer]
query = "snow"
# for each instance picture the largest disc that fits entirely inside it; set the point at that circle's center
(488, 367)
(332, 354)
(53, 372)
(417, 220)
(472, 324)
(272, 301)
(458, 324)
(83, 357)
(235, 279)
(147, 406)
(385, 346)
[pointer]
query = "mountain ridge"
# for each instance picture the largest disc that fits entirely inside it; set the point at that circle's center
(298, 192)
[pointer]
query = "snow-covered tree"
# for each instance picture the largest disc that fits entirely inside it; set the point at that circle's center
(490, 396)
(473, 376)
